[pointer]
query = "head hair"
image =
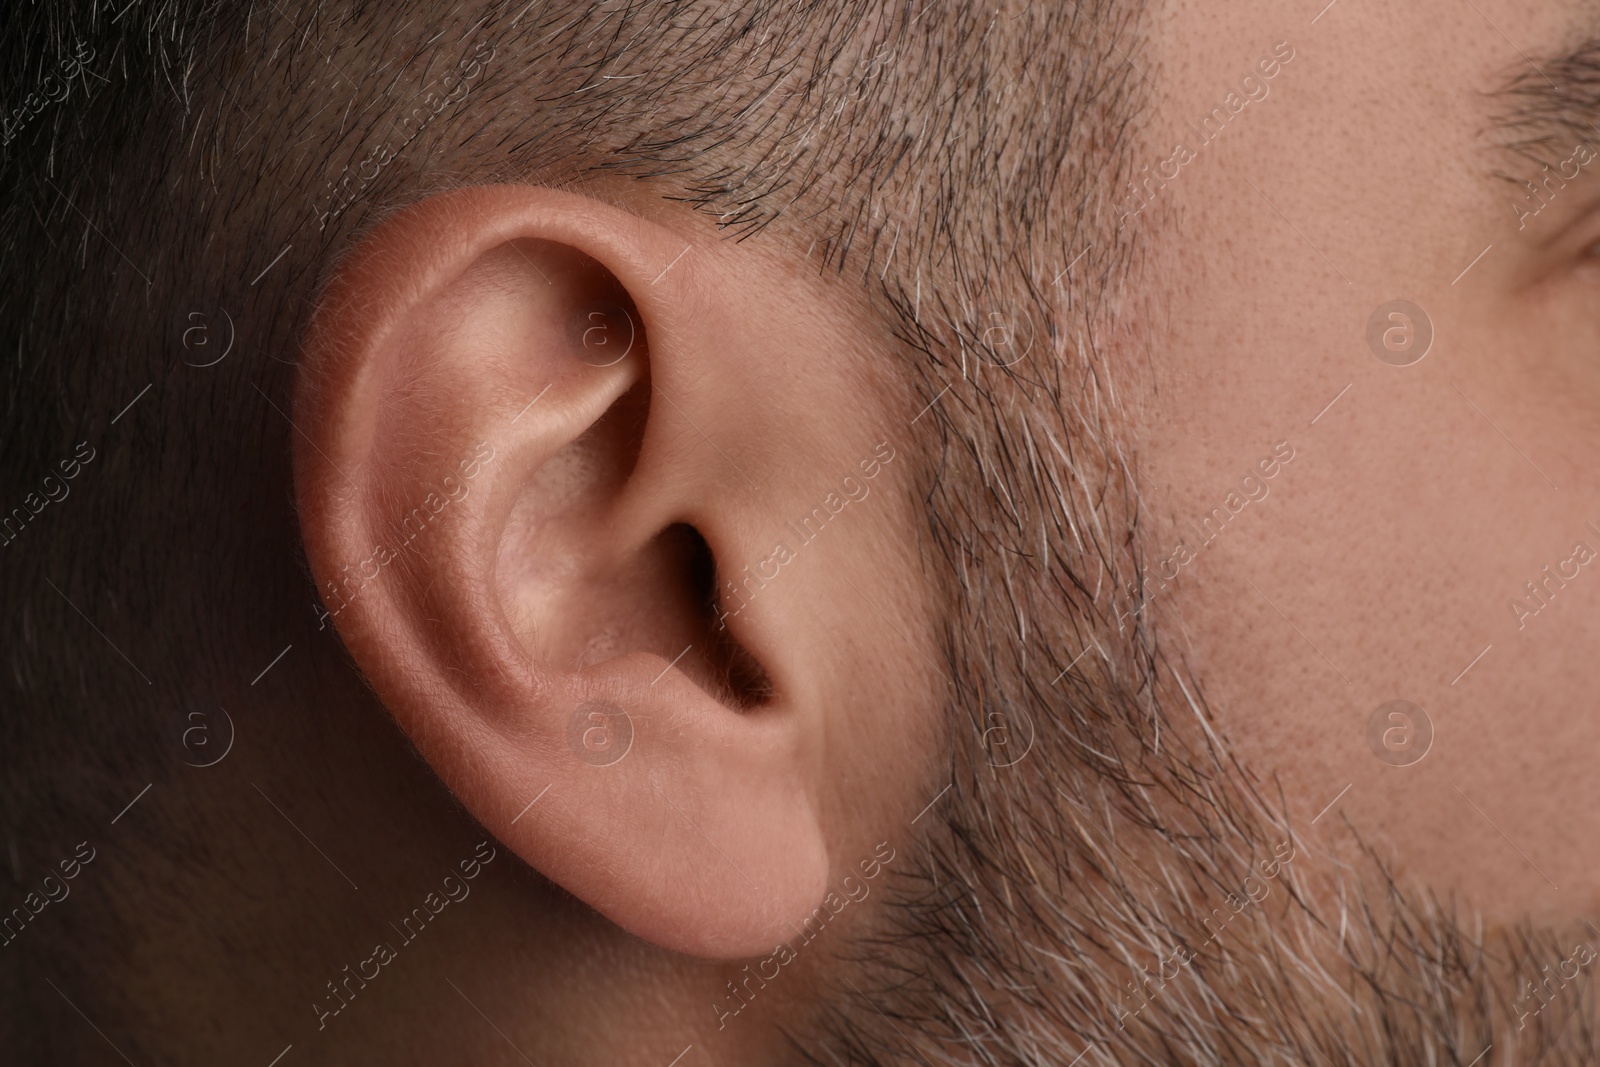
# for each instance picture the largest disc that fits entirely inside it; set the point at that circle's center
(184, 164)
(960, 162)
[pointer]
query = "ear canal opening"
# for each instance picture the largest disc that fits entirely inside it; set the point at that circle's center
(732, 674)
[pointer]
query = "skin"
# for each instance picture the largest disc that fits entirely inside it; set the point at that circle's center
(1394, 538)
(1391, 540)
(551, 582)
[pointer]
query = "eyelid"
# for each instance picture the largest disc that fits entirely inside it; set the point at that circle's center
(1578, 238)
(1573, 227)
(1570, 232)
(1566, 224)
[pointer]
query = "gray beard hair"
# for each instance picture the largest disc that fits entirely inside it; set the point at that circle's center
(1103, 882)
(1080, 914)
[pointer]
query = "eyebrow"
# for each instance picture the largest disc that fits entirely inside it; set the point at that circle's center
(1551, 105)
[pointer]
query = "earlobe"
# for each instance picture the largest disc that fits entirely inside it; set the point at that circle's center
(515, 538)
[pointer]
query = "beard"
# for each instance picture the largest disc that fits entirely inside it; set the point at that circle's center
(1102, 881)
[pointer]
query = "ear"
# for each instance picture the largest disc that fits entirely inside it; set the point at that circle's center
(532, 428)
